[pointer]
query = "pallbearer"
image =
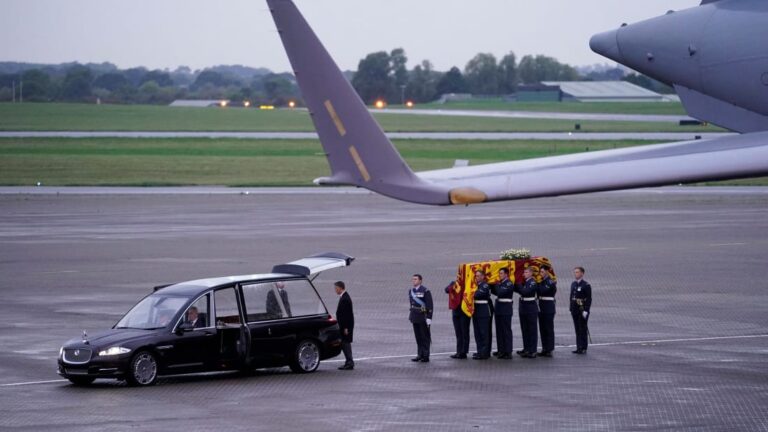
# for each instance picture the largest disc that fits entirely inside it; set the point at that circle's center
(547, 291)
(460, 322)
(529, 314)
(504, 311)
(481, 319)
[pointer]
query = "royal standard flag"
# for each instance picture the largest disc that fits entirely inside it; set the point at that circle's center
(464, 288)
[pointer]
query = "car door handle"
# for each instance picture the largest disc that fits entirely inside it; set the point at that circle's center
(209, 333)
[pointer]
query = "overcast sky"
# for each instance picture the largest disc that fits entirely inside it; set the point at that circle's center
(199, 33)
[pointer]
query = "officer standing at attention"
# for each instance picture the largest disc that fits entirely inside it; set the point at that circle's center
(481, 319)
(421, 317)
(547, 291)
(460, 325)
(581, 302)
(504, 311)
(529, 314)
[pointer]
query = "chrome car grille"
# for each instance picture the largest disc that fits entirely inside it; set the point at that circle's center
(77, 355)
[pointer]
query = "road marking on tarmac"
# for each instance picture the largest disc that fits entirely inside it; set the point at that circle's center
(727, 244)
(389, 357)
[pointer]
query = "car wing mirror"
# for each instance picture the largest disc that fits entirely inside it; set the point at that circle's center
(184, 327)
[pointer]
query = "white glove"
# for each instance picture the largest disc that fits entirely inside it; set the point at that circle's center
(585, 314)
(429, 322)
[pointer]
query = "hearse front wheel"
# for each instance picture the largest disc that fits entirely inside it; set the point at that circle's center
(143, 369)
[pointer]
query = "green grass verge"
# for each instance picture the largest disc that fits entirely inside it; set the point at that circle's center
(84, 117)
(664, 108)
(231, 162)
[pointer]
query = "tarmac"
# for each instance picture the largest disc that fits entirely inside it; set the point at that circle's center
(679, 322)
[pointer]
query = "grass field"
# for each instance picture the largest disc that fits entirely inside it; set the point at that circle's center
(158, 162)
(228, 162)
(665, 108)
(83, 117)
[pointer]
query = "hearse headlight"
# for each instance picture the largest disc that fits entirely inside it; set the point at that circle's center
(61, 352)
(113, 351)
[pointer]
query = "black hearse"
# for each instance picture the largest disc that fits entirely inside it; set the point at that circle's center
(227, 323)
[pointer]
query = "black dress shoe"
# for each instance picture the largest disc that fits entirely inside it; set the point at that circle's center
(481, 358)
(545, 354)
(520, 352)
(347, 367)
(424, 360)
(455, 356)
(416, 359)
(529, 355)
(461, 356)
(496, 354)
(578, 351)
(505, 356)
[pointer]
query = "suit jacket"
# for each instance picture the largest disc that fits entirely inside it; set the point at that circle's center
(345, 316)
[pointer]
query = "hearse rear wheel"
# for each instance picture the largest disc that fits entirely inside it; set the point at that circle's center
(306, 357)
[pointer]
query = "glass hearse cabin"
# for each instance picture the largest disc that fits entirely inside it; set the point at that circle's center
(227, 323)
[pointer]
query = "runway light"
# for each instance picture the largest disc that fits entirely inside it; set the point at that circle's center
(223, 104)
(266, 107)
(380, 104)
(292, 104)
(409, 104)
(246, 104)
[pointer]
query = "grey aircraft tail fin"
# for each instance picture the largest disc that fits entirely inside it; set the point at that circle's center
(357, 149)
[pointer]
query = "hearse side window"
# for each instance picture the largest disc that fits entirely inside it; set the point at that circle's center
(266, 301)
(198, 314)
(303, 298)
(226, 307)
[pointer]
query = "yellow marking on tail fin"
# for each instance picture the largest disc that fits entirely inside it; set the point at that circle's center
(335, 118)
(359, 163)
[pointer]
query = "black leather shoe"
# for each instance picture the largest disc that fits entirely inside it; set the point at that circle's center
(475, 356)
(347, 367)
(520, 352)
(530, 355)
(461, 356)
(481, 358)
(545, 354)
(505, 356)
(496, 354)
(578, 351)
(424, 360)
(416, 359)
(455, 356)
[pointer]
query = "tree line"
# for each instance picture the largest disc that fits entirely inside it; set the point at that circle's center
(380, 75)
(108, 84)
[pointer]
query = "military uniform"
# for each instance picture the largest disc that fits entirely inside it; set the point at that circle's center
(504, 291)
(420, 311)
(581, 301)
(481, 321)
(461, 324)
(529, 314)
(547, 291)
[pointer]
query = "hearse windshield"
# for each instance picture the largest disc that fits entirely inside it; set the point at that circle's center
(154, 312)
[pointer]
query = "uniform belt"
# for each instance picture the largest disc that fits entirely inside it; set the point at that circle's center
(547, 298)
(504, 300)
(481, 301)
(528, 298)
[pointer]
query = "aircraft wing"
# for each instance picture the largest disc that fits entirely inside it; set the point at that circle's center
(360, 154)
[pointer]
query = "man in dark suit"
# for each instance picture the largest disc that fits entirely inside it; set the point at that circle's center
(193, 318)
(420, 315)
(581, 302)
(273, 306)
(346, 318)
(461, 322)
